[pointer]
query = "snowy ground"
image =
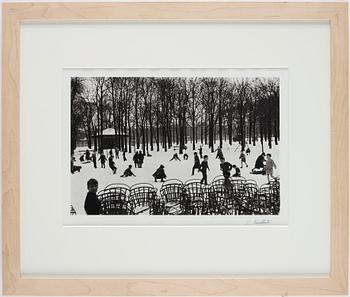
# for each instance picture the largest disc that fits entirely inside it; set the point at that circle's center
(174, 169)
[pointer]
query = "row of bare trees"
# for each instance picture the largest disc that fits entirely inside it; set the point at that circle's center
(157, 113)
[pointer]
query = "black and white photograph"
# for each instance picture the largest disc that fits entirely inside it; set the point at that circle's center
(186, 145)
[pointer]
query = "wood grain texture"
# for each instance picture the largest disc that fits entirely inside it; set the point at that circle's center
(16, 13)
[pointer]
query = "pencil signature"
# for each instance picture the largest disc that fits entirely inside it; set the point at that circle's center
(258, 222)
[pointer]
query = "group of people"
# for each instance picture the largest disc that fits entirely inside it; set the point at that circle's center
(138, 159)
(262, 166)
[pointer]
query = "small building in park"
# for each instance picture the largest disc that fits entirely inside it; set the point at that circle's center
(110, 139)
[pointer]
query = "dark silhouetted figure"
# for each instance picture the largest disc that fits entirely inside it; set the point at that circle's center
(128, 172)
(159, 174)
(136, 159)
(92, 205)
(111, 164)
(124, 156)
(226, 170)
(219, 154)
(175, 157)
(94, 160)
(203, 168)
(197, 163)
(243, 159)
(237, 171)
(201, 152)
(259, 163)
(103, 159)
(87, 155)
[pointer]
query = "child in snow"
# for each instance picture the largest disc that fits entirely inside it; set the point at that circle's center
(237, 171)
(226, 167)
(175, 157)
(74, 168)
(197, 163)
(159, 174)
(247, 151)
(243, 159)
(141, 158)
(219, 154)
(94, 159)
(185, 156)
(270, 164)
(128, 172)
(103, 159)
(124, 156)
(92, 205)
(259, 163)
(135, 158)
(203, 168)
(111, 164)
(87, 155)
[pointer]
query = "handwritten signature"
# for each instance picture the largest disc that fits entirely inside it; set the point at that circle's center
(258, 222)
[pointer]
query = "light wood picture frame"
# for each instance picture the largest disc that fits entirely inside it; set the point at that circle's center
(15, 14)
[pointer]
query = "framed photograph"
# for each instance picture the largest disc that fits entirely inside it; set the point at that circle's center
(175, 149)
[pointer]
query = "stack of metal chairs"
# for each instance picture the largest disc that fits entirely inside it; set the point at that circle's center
(234, 196)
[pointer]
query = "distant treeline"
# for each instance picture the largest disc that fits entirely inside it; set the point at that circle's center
(157, 113)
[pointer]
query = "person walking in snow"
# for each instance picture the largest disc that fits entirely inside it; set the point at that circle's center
(94, 159)
(203, 168)
(124, 156)
(219, 154)
(201, 152)
(103, 159)
(270, 164)
(243, 159)
(197, 163)
(135, 158)
(112, 164)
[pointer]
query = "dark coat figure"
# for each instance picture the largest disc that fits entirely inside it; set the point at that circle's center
(110, 152)
(197, 163)
(259, 163)
(237, 171)
(103, 159)
(124, 156)
(219, 154)
(247, 151)
(111, 164)
(74, 168)
(226, 168)
(87, 155)
(94, 160)
(81, 159)
(92, 205)
(175, 157)
(159, 174)
(128, 172)
(203, 168)
(136, 159)
(117, 153)
(185, 156)
(201, 152)
(141, 158)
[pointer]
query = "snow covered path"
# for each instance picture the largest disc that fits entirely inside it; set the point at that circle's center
(174, 170)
